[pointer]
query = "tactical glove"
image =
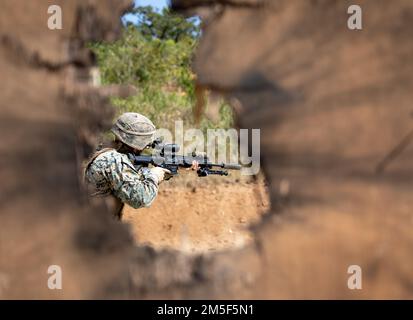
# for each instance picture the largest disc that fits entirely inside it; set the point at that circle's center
(159, 173)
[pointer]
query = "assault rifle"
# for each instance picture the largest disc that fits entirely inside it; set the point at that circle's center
(166, 157)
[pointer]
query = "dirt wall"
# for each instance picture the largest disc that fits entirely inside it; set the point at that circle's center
(45, 219)
(330, 104)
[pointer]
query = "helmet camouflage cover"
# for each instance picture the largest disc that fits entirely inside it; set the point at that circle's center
(134, 129)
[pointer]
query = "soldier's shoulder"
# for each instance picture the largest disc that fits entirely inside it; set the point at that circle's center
(107, 159)
(110, 155)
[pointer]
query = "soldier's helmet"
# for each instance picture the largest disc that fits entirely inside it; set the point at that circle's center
(134, 130)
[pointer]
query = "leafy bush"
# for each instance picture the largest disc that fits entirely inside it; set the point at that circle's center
(155, 56)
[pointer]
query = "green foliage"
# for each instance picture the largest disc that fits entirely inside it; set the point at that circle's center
(155, 56)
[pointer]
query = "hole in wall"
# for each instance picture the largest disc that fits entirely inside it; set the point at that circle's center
(192, 214)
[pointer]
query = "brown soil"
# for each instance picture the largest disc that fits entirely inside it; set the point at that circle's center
(195, 215)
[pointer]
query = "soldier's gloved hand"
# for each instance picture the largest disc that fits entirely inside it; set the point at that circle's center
(159, 173)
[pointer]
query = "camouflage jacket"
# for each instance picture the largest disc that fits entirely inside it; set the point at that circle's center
(111, 172)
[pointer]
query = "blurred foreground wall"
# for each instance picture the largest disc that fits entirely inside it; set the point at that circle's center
(330, 103)
(46, 107)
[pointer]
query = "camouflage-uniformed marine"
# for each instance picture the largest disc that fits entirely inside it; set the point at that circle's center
(111, 172)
